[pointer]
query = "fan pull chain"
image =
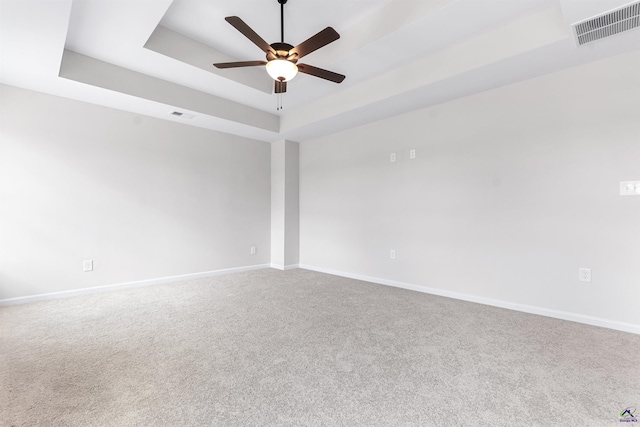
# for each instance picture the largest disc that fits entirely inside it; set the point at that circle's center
(279, 102)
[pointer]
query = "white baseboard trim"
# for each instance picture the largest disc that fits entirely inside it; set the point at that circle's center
(564, 315)
(126, 285)
(285, 267)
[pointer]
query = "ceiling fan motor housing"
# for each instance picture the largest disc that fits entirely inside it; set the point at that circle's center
(282, 52)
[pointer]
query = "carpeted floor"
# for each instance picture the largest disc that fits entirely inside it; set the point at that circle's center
(302, 348)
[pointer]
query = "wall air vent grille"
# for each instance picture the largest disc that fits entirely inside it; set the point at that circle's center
(606, 25)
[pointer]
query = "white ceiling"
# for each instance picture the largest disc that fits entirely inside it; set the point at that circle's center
(153, 57)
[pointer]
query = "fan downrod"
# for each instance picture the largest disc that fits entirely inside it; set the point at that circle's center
(282, 3)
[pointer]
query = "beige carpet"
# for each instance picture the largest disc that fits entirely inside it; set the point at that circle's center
(302, 348)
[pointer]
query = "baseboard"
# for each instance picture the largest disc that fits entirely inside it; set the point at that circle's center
(285, 267)
(574, 317)
(127, 285)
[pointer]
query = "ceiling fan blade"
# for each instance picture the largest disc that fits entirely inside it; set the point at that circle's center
(239, 64)
(280, 87)
(319, 72)
(241, 26)
(314, 43)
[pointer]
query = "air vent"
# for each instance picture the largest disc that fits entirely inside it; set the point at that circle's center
(182, 115)
(606, 25)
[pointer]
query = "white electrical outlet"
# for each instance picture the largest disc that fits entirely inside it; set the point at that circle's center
(584, 275)
(253, 250)
(392, 157)
(87, 265)
(630, 188)
(392, 254)
(412, 153)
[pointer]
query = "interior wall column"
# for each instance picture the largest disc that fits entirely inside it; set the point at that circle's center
(285, 211)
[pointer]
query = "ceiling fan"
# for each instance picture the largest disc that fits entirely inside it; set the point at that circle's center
(282, 58)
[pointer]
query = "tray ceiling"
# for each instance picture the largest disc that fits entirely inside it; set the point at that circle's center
(154, 57)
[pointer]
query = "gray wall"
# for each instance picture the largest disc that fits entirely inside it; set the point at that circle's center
(144, 198)
(512, 191)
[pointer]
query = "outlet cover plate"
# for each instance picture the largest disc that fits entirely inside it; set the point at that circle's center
(584, 275)
(630, 188)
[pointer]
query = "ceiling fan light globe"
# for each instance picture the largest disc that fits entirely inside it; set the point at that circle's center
(281, 69)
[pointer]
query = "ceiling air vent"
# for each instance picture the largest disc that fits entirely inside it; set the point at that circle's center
(183, 115)
(611, 23)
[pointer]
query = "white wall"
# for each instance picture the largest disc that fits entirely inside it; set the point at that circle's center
(144, 198)
(511, 192)
(292, 204)
(285, 207)
(278, 202)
